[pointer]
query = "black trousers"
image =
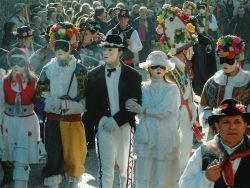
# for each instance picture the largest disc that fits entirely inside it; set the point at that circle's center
(53, 146)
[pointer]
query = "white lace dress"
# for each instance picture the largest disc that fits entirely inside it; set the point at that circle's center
(162, 102)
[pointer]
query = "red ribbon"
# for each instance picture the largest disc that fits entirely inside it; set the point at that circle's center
(228, 166)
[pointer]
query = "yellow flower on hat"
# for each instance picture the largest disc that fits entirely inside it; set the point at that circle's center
(178, 33)
(190, 27)
(160, 19)
(224, 54)
(172, 52)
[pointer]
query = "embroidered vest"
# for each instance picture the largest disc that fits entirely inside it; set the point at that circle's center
(215, 93)
(212, 151)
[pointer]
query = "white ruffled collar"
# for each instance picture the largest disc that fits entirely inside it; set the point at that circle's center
(240, 79)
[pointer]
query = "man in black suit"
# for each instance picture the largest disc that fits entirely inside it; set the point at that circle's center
(108, 87)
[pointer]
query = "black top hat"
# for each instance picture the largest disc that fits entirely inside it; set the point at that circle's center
(113, 41)
(123, 13)
(201, 5)
(24, 32)
(229, 107)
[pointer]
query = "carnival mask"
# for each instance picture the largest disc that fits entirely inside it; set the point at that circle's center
(62, 45)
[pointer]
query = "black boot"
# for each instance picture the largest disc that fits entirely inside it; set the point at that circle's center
(8, 173)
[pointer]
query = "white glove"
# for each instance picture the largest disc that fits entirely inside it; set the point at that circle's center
(110, 125)
(56, 104)
(52, 105)
(133, 106)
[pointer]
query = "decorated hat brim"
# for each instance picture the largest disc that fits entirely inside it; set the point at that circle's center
(145, 65)
(112, 45)
(215, 118)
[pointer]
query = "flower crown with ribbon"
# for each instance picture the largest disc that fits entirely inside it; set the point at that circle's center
(230, 47)
(65, 31)
(176, 32)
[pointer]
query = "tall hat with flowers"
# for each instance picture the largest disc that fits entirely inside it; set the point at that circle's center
(230, 47)
(190, 6)
(176, 32)
(65, 31)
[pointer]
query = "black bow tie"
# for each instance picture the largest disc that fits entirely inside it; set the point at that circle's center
(110, 71)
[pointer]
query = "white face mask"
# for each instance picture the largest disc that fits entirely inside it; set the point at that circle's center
(62, 57)
(157, 74)
(111, 55)
(229, 68)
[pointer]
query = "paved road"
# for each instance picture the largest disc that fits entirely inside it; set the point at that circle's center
(89, 178)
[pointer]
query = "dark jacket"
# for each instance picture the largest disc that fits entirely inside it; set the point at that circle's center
(97, 99)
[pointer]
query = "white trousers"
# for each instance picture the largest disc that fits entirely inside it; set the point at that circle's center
(152, 173)
(113, 148)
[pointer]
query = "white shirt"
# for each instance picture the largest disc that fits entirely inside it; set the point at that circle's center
(113, 88)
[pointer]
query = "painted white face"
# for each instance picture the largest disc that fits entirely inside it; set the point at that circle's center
(18, 70)
(190, 53)
(62, 56)
(157, 72)
(228, 68)
(111, 56)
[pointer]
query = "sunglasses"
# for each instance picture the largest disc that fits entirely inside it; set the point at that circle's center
(17, 61)
(158, 66)
(62, 45)
(227, 61)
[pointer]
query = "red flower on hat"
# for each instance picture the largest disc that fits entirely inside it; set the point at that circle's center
(163, 39)
(224, 106)
(184, 17)
(29, 133)
(241, 108)
(69, 32)
(56, 27)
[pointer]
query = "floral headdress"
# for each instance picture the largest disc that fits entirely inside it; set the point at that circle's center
(189, 5)
(230, 47)
(175, 35)
(24, 32)
(65, 31)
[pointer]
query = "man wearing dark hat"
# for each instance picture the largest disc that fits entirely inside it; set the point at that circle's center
(100, 17)
(90, 53)
(206, 26)
(129, 36)
(224, 161)
(108, 87)
(25, 35)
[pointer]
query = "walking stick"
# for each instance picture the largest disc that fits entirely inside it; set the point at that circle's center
(207, 17)
(28, 21)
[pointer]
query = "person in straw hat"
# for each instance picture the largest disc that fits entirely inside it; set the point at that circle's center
(223, 161)
(61, 93)
(157, 138)
(108, 88)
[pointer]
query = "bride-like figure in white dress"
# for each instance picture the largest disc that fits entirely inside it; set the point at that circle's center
(156, 137)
